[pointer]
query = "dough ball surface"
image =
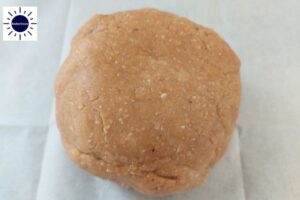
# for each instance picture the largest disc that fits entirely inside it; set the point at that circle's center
(147, 99)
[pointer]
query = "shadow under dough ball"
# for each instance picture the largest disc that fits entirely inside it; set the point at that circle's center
(147, 99)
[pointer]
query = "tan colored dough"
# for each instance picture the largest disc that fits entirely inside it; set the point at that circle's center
(147, 99)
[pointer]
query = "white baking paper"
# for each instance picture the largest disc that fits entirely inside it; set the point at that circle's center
(263, 160)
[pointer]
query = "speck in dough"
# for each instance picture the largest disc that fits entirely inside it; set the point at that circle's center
(147, 99)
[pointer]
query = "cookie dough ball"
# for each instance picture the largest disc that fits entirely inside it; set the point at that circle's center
(148, 99)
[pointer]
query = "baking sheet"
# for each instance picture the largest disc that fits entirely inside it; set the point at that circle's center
(263, 160)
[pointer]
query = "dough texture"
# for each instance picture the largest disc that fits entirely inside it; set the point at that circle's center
(147, 99)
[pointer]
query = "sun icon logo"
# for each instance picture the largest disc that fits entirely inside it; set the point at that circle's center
(19, 23)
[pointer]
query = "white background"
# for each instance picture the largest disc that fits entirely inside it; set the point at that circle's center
(263, 161)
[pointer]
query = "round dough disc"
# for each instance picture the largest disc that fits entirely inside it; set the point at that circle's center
(148, 99)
